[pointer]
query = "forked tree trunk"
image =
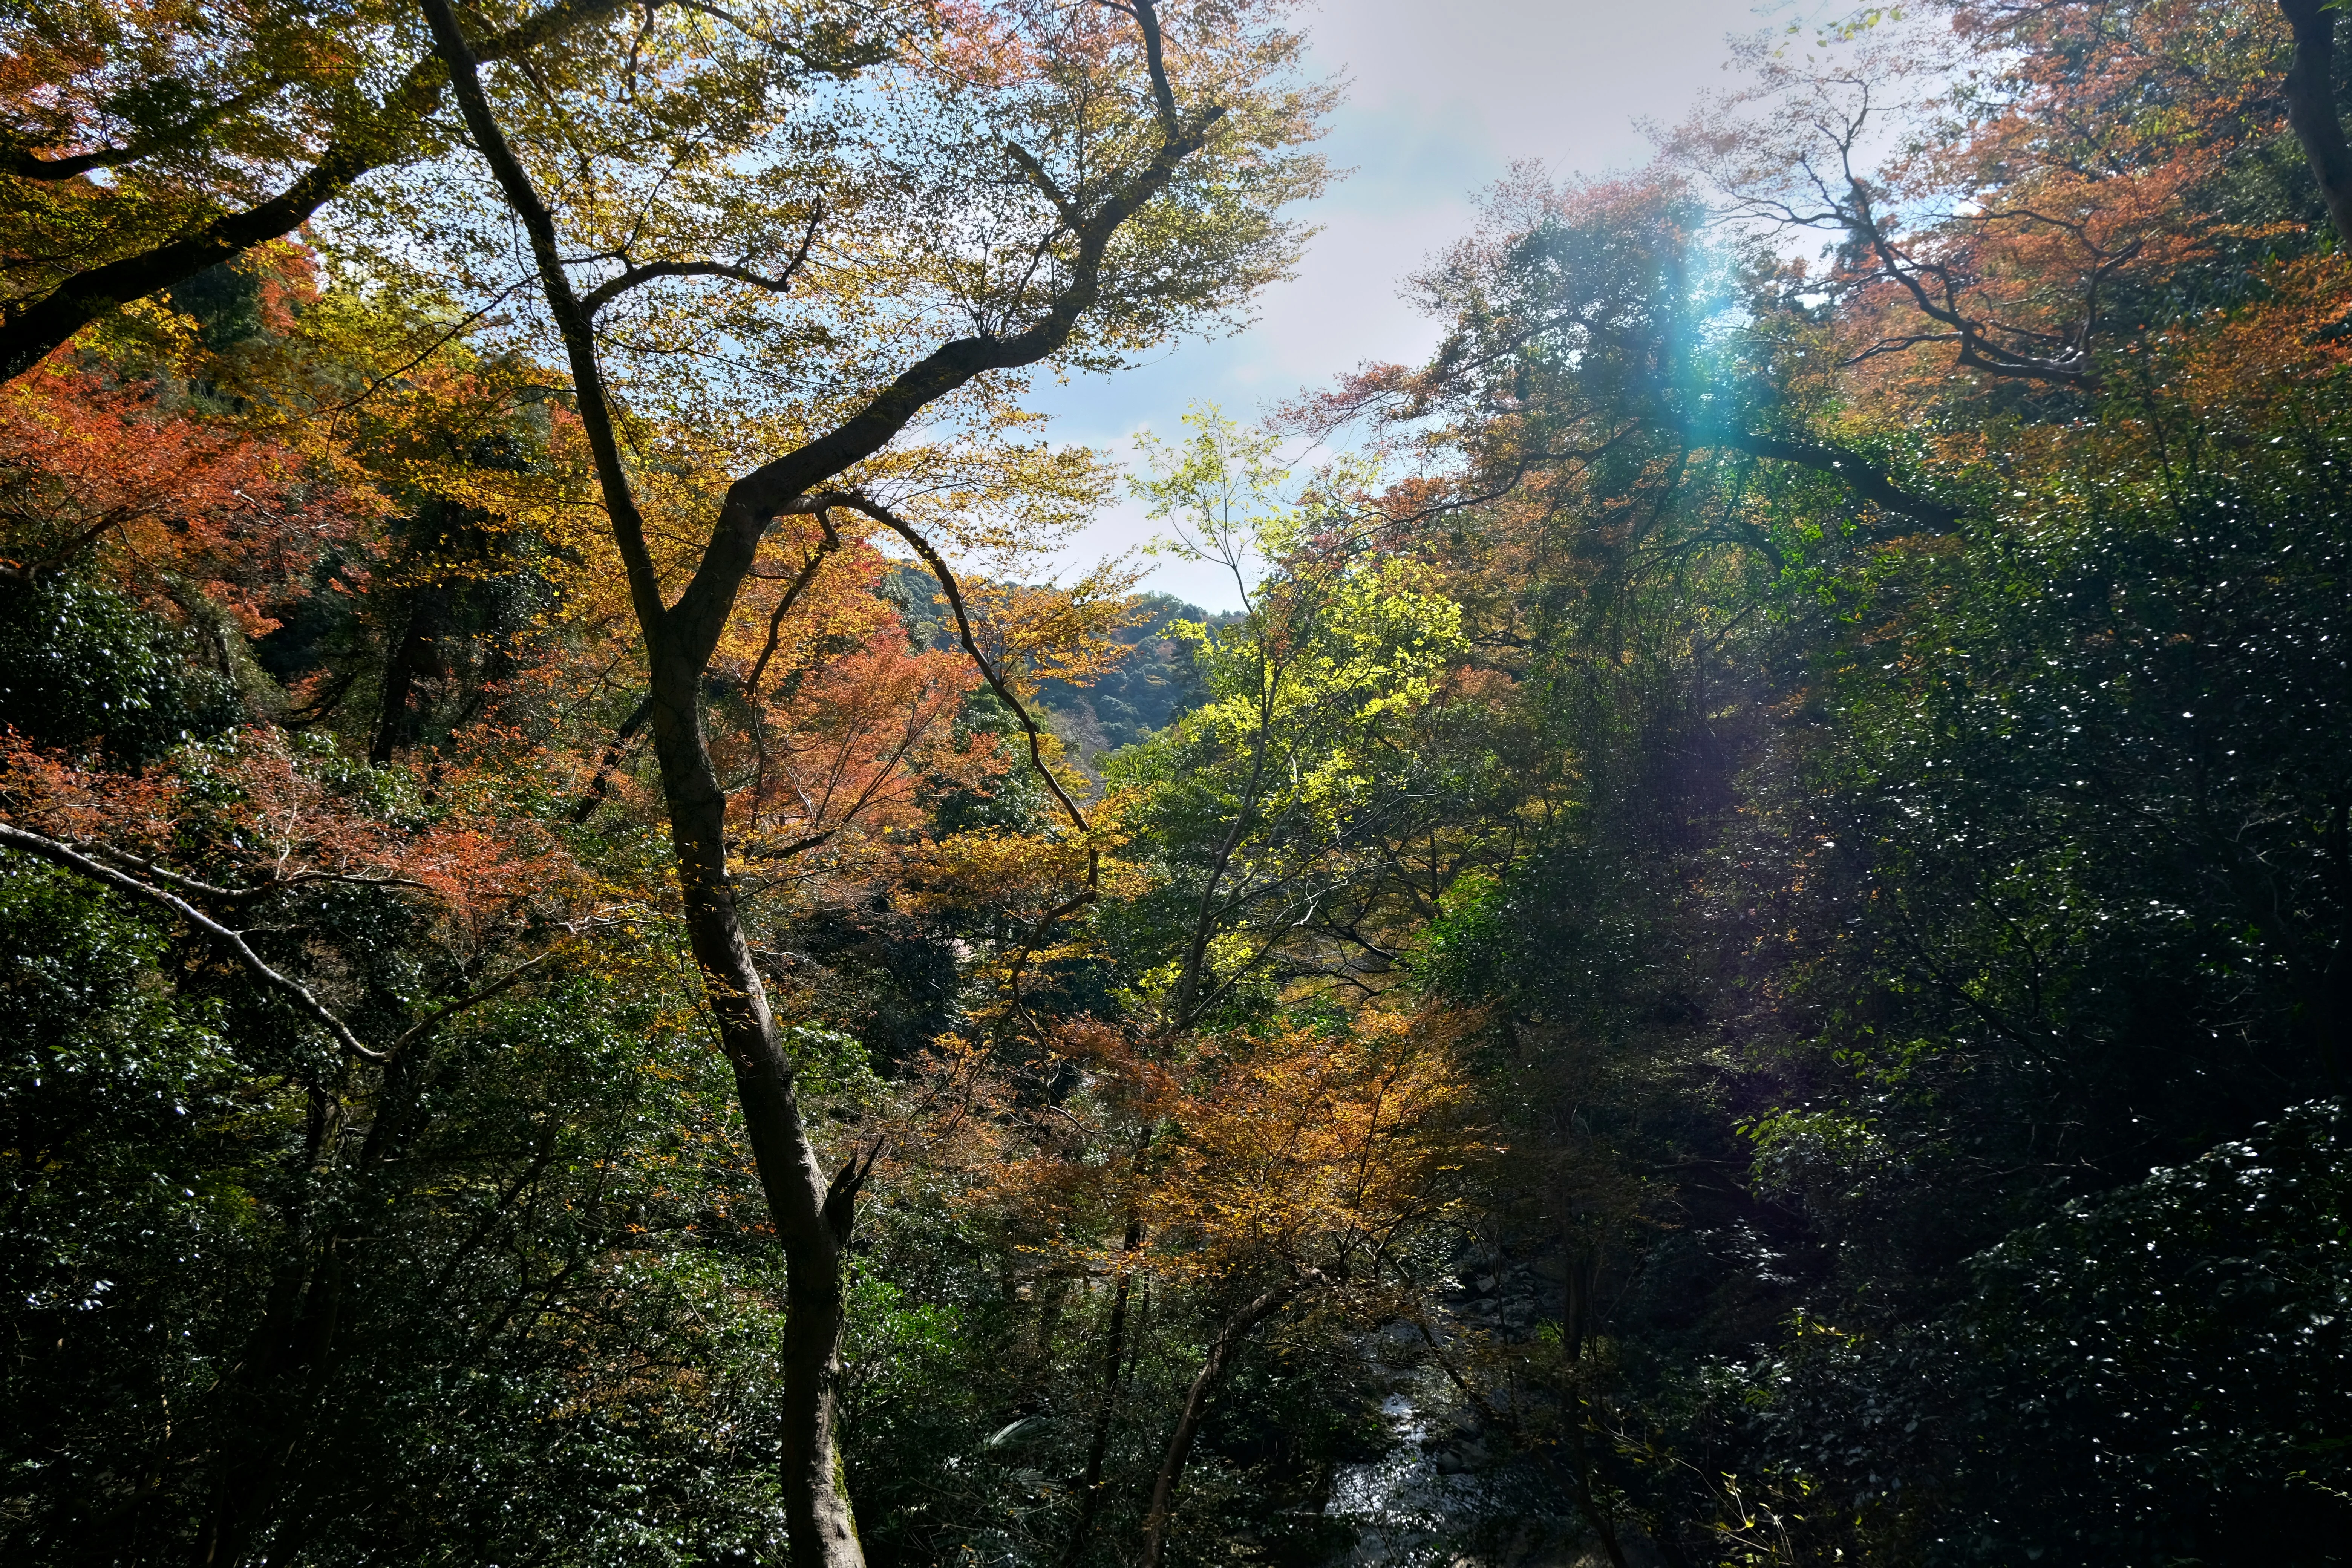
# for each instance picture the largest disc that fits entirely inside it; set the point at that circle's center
(811, 1215)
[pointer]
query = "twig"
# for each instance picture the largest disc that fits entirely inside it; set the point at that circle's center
(447, 1010)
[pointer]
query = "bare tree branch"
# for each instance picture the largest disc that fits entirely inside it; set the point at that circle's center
(826, 546)
(948, 585)
(474, 998)
(596, 299)
(18, 838)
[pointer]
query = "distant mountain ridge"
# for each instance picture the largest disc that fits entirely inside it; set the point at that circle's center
(1149, 690)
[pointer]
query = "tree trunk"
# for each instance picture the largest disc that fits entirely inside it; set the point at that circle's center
(1219, 1360)
(288, 1362)
(412, 654)
(288, 1358)
(812, 1216)
(2311, 107)
(1090, 1491)
(1575, 1309)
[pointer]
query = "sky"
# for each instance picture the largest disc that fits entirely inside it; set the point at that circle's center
(1444, 96)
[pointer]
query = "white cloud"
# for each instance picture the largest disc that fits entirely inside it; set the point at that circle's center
(1444, 98)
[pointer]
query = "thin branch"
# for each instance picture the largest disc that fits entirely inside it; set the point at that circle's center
(954, 593)
(465, 322)
(599, 785)
(2071, 367)
(604, 294)
(797, 846)
(474, 998)
(1044, 182)
(922, 547)
(826, 546)
(237, 895)
(49, 849)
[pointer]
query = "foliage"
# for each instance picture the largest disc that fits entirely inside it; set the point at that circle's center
(1749, 924)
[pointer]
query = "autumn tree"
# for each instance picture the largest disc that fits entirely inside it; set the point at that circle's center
(1868, 602)
(1070, 183)
(1287, 1183)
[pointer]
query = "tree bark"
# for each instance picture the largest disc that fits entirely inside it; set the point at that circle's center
(1219, 1360)
(1575, 1304)
(412, 655)
(2311, 107)
(1863, 477)
(812, 1216)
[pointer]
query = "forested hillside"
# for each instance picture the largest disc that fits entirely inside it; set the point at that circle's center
(1741, 954)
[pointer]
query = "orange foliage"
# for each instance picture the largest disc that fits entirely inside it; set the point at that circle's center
(1310, 1153)
(854, 743)
(158, 493)
(254, 810)
(2049, 162)
(1313, 1150)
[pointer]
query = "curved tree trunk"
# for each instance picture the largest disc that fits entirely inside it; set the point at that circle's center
(1219, 1360)
(812, 1216)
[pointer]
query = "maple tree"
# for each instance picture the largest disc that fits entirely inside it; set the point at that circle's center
(1075, 272)
(238, 519)
(1293, 1174)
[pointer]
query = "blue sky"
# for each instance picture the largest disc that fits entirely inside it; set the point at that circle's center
(1444, 97)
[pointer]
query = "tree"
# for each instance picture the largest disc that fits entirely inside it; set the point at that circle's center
(1839, 970)
(1280, 814)
(1290, 1178)
(1140, 211)
(189, 115)
(1306, 1164)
